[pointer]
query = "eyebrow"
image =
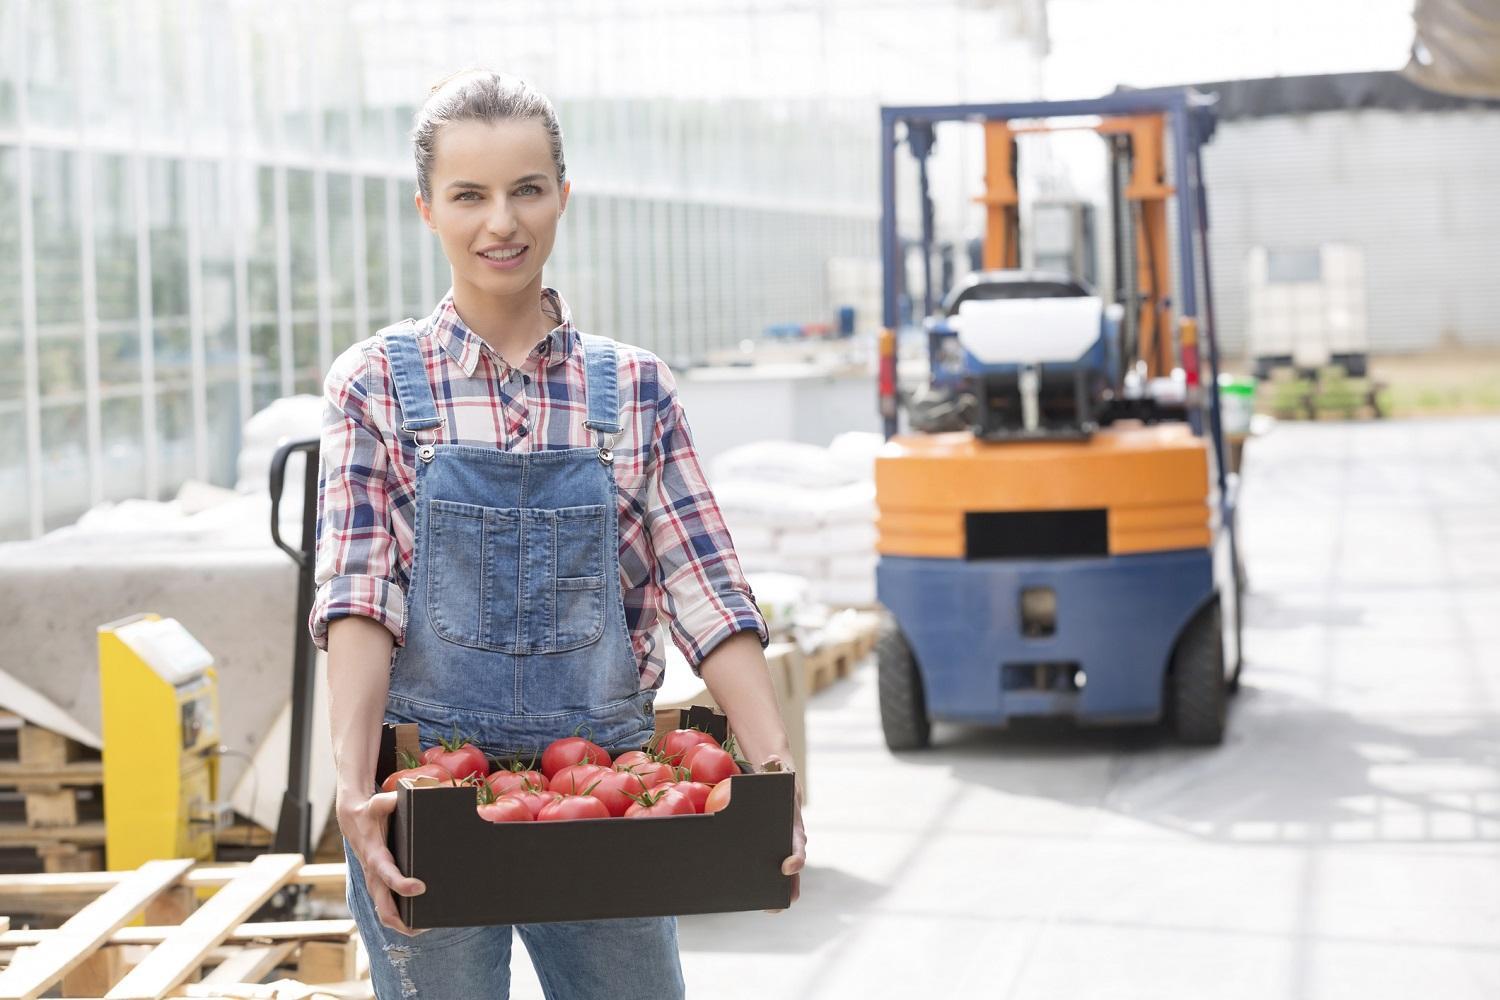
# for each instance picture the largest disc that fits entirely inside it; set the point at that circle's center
(476, 186)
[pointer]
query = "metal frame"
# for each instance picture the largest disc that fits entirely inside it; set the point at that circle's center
(1184, 109)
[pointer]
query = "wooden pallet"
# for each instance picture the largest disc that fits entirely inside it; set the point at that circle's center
(185, 949)
(51, 800)
(835, 660)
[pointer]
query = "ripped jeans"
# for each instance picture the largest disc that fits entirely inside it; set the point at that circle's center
(583, 960)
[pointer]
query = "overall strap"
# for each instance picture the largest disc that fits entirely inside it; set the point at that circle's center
(413, 391)
(603, 390)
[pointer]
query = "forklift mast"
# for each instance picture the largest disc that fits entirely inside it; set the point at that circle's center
(1145, 171)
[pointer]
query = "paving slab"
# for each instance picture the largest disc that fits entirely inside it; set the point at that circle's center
(1344, 842)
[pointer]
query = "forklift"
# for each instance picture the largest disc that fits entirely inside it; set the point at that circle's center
(1056, 531)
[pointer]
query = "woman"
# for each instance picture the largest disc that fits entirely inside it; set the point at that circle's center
(505, 503)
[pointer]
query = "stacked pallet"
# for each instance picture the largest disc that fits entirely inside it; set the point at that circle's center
(184, 949)
(51, 800)
(839, 647)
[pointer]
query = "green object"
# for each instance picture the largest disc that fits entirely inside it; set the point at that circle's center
(1237, 402)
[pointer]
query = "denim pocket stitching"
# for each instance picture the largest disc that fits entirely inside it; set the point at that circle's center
(435, 607)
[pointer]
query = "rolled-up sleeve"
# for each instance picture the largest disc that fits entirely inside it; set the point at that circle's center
(357, 554)
(702, 589)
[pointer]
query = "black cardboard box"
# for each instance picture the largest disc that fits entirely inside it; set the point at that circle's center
(518, 873)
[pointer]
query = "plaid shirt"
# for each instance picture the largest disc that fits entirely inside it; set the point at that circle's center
(675, 553)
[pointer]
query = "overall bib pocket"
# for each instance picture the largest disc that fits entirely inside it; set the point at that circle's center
(516, 580)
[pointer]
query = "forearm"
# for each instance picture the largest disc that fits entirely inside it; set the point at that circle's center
(359, 657)
(740, 683)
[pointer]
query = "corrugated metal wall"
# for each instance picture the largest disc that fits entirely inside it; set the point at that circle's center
(1418, 192)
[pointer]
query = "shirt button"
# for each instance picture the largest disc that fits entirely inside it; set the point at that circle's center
(520, 432)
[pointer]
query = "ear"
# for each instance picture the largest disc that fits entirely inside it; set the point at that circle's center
(563, 198)
(424, 210)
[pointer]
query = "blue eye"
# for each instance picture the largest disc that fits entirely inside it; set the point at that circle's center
(466, 195)
(529, 187)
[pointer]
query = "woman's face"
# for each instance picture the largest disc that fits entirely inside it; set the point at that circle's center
(495, 204)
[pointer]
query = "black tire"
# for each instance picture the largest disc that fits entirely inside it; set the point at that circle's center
(903, 705)
(1197, 692)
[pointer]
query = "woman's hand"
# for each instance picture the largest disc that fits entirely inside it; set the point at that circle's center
(794, 864)
(363, 824)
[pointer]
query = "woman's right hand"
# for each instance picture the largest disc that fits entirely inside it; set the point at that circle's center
(363, 824)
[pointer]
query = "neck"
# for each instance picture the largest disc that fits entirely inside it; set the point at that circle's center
(511, 324)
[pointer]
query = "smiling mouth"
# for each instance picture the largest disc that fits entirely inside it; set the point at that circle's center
(502, 254)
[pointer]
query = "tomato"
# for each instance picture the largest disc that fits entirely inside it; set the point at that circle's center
(576, 778)
(661, 802)
(719, 797)
(506, 809)
(711, 765)
(459, 756)
(533, 799)
(695, 792)
(572, 750)
(422, 770)
(412, 767)
(505, 782)
(574, 807)
(652, 773)
(616, 789)
(632, 758)
(679, 741)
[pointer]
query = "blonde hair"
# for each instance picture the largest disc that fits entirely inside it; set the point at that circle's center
(480, 95)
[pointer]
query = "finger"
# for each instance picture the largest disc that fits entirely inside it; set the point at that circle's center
(385, 910)
(382, 804)
(379, 860)
(796, 887)
(392, 877)
(793, 864)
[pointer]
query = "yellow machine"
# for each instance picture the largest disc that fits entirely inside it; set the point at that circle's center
(159, 698)
(1057, 538)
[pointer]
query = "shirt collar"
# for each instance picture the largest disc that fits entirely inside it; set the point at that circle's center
(465, 346)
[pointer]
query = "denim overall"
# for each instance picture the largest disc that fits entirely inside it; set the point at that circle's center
(516, 635)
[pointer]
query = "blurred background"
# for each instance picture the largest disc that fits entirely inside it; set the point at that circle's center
(203, 202)
(207, 201)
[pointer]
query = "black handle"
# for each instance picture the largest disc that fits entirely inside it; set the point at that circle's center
(308, 446)
(294, 826)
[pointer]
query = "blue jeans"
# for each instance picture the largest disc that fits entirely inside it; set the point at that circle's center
(583, 960)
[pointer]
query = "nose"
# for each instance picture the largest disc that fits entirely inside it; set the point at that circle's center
(502, 220)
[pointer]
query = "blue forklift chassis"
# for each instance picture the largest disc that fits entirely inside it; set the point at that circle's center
(1117, 619)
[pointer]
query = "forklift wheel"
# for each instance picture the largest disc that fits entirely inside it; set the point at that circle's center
(1197, 691)
(903, 706)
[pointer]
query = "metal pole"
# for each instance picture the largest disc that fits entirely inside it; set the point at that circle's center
(887, 407)
(888, 222)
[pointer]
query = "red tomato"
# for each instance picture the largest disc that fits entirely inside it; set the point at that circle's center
(711, 765)
(616, 788)
(506, 809)
(461, 757)
(652, 773)
(632, 758)
(505, 782)
(719, 797)
(572, 750)
(695, 792)
(429, 770)
(679, 741)
(533, 799)
(574, 807)
(576, 778)
(408, 766)
(663, 802)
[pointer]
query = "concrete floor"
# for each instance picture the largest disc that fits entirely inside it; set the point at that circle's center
(1344, 842)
